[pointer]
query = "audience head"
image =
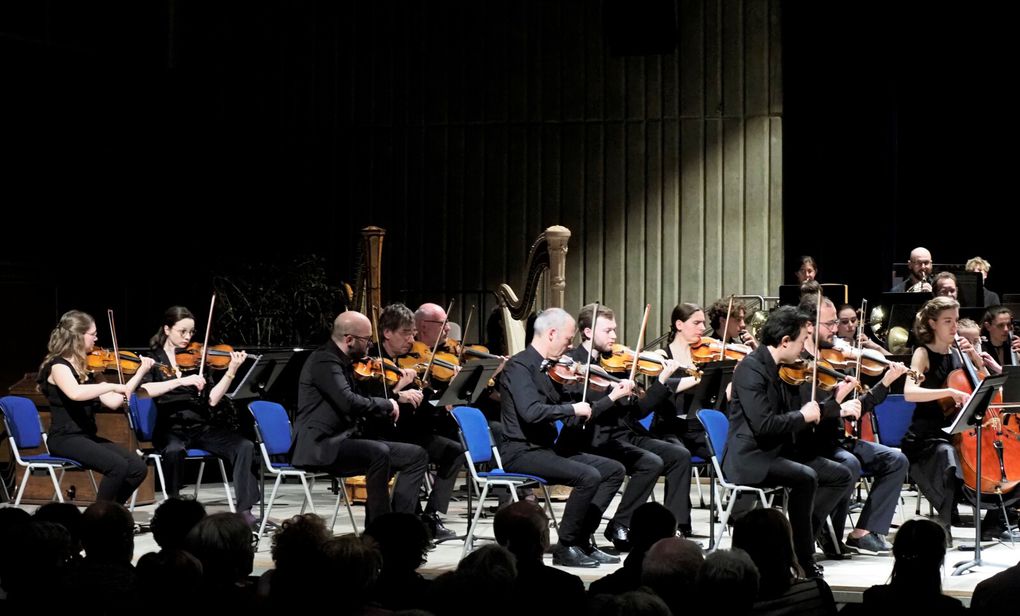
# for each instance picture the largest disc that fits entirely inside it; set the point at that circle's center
(766, 536)
(402, 540)
(65, 514)
(670, 568)
(919, 549)
(108, 533)
(633, 603)
(352, 564)
(523, 529)
(173, 520)
(223, 544)
(651, 522)
(730, 574)
(298, 541)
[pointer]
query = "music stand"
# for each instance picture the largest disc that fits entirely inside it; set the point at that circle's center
(972, 415)
(470, 382)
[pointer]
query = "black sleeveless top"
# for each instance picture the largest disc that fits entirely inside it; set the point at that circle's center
(67, 416)
(183, 411)
(929, 418)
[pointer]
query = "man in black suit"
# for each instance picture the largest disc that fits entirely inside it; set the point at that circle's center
(760, 444)
(531, 404)
(331, 411)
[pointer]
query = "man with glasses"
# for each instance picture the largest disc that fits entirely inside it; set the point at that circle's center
(829, 440)
(919, 279)
(421, 423)
(329, 426)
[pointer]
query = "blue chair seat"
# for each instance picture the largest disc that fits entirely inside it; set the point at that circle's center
(500, 474)
(198, 453)
(43, 457)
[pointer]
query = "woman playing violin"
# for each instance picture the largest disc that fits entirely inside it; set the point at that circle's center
(184, 411)
(72, 394)
(933, 461)
(616, 434)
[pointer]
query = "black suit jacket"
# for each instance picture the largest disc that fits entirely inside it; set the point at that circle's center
(330, 409)
(763, 420)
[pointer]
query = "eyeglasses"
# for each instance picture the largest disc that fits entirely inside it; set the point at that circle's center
(93, 334)
(830, 324)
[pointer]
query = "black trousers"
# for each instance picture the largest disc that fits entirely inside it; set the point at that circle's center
(236, 450)
(378, 460)
(448, 456)
(594, 480)
(123, 471)
(815, 487)
(889, 469)
(645, 459)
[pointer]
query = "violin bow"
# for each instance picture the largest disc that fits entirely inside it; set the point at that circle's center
(641, 339)
(378, 347)
(814, 364)
(208, 330)
(725, 329)
(463, 333)
(591, 351)
(859, 343)
(116, 349)
(435, 347)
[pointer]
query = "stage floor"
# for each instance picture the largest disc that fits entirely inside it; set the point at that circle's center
(848, 578)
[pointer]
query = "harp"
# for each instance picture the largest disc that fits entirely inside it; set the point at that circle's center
(548, 255)
(368, 288)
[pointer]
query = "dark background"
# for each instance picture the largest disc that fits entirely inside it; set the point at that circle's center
(140, 138)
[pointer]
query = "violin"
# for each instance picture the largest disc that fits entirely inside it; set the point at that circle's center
(872, 362)
(371, 368)
(709, 349)
(800, 372)
(566, 371)
(456, 347)
(217, 357)
(621, 359)
(100, 360)
(444, 365)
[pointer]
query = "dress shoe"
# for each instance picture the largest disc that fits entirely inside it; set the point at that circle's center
(1001, 534)
(814, 570)
(437, 530)
(619, 535)
(572, 556)
(592, 551)
(869, 544)
(839, 551)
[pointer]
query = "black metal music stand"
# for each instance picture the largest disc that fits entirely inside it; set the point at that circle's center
(972, 416)
(263, 372)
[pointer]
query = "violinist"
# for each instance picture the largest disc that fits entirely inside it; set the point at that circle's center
(1000, 345)
(616, 434)
(433, 326)
(888, 466)
(676, 421)
(764, 422)
(919, 278)
(421, 423)
(531, 404)
(184, 412)
(72, 394)
(736, 328)
(332, 408)
(933, 462)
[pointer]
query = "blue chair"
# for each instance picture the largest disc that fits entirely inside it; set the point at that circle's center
(696, 461)
(480, 450)
(142, 416)
(274, 435)
(25, 431)
(894, 416)
(717, 427)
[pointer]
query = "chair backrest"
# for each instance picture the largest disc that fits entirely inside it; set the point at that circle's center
(893, 416)
(717, 426)
(475, 430)
(646, 421)
(143, 416)
(22, 419)
(273, 426)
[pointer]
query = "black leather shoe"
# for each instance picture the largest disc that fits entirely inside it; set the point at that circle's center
(593, 552)
(437, 530)
(814, 570)
(839, 551)
(572, 556)
(619, 535)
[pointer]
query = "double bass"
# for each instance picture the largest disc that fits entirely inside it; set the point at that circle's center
(1000, 445)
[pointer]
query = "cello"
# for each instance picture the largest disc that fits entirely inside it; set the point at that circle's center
(1000, 446)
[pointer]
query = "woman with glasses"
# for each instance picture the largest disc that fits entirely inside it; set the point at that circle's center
(184, 417)
(72, 394)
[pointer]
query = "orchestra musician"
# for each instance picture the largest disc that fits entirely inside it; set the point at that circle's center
(736, 328)
(807, 269)
(616, 434)
(421, 423)
(328, 430)
(888, 466)
(944, 285)
(72, 394)
(999, 345)
(676, 420)
(977, 264)
(531, 404)
(919, 278)
(764, 424)
(184, 412)
(847, 331)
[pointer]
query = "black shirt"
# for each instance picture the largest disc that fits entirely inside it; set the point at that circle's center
(67, 416)
(929, 419)
(184, 410)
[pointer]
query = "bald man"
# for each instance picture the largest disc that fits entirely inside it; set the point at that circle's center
(331, 410)
(920, 273)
